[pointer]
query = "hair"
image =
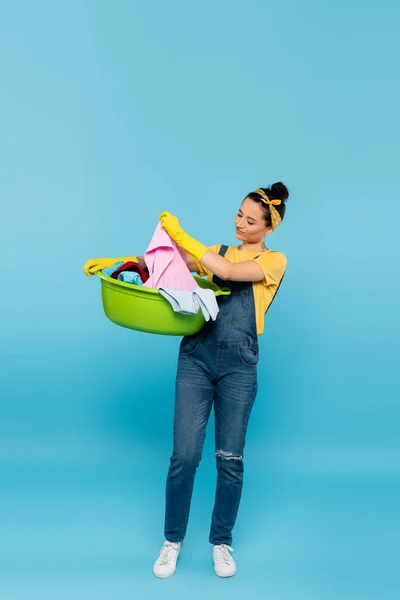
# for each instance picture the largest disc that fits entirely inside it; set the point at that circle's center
(277, 191)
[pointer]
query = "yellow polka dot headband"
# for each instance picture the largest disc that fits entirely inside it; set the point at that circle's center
(275, 216)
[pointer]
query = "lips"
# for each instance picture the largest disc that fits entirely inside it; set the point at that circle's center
(239, 230)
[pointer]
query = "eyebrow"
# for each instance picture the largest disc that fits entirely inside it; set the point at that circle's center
(240, 210)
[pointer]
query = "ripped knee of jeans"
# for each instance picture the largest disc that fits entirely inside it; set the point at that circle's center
(227, 455)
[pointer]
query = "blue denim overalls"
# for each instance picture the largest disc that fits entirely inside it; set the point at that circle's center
(217, 364)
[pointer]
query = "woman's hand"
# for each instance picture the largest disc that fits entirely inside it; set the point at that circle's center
(192, 247)
(97, 264)
(171, 225)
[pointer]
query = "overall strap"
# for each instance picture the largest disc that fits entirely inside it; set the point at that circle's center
(223, 250)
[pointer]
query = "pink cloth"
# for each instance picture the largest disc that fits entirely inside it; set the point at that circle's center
(167, 263)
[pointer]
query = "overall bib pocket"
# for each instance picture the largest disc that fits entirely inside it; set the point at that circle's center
(234, 312)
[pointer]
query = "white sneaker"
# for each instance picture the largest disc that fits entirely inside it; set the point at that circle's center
(224, 565)
(165, 564)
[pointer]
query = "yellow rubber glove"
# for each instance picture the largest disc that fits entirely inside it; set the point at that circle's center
(98, 264)
(192, 247)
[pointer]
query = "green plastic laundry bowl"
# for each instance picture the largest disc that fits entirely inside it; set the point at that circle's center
(145, 309)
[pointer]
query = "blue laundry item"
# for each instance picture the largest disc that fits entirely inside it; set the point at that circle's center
(110, 270)
(130, 277)
(127, 276)
(181, 301)
(189, 303)
(208, 303)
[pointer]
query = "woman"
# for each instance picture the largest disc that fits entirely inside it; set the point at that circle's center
(219, 365)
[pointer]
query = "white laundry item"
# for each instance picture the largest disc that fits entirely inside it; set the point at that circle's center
(189, 303)
(182, 301)
(208, 302)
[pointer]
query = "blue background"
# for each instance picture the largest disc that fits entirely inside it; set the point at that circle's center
(110, 113)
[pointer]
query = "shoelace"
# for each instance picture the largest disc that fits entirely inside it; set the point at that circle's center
(166, 554)
(222, 554)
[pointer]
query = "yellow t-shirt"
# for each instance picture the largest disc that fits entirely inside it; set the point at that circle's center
(273, 265)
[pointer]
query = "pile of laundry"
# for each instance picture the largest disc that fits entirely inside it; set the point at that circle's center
(166, 271)
(130, 272)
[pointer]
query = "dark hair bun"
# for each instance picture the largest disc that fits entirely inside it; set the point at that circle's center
(279, 191)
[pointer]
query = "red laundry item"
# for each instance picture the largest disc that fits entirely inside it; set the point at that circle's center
(131, 266)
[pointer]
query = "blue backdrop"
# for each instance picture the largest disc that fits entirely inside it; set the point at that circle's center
(110, 113)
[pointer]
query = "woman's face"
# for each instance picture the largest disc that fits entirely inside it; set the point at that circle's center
(249, 222)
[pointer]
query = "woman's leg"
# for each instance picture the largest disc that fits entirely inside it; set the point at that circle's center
(234, 397)
(193, 401)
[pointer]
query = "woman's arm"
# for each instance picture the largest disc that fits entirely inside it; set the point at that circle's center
(191, 265)
(247, 270)
(141, 262)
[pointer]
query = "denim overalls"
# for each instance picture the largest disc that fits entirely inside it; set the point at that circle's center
(217, 364)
